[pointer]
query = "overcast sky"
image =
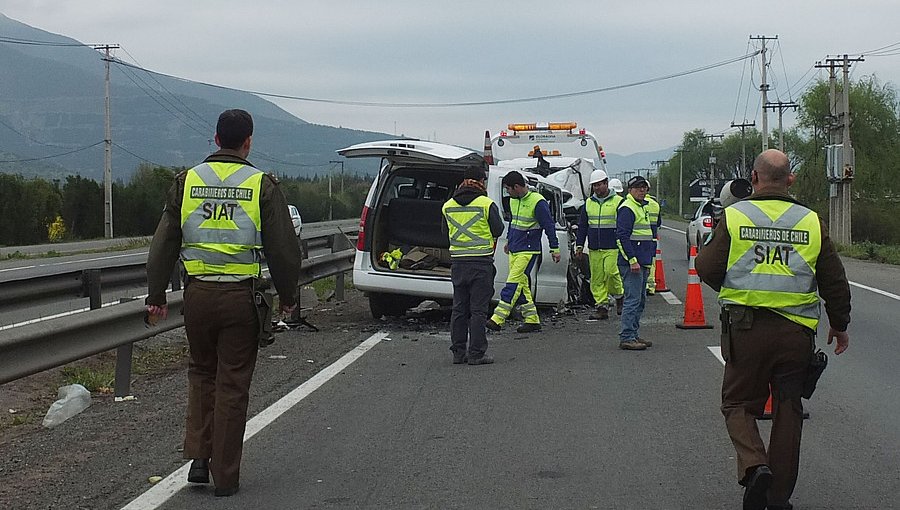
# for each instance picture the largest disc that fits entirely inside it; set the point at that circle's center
(415, 51)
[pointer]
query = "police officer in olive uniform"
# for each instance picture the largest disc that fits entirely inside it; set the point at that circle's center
(473, 224)
(768, 257)
(218, 216)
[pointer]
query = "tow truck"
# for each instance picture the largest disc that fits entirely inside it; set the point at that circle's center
(560, 151)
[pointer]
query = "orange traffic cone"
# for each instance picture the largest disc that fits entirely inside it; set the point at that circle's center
(694, 317)
(488, 153)
(660, 273)
(767, 412)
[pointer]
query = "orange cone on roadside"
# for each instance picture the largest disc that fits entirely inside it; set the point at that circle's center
(488, 153)
(660, 273)
(694, 318)
(767, 412)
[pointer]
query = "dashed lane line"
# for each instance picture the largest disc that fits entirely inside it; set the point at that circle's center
(169, 486)
(717, 352)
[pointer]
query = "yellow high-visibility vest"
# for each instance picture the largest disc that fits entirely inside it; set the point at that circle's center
(470, 232)
(220, 220)
(772, 259)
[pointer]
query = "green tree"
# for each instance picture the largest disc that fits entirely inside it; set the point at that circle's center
(137, 205)
(875, 135)
(82, 207)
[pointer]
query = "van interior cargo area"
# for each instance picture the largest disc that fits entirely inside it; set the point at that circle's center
(409, 218)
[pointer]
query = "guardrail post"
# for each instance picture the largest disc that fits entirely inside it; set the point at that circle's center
(123, 364)
(338, 278)
(91, 280)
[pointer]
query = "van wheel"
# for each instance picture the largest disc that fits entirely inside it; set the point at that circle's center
(687, 241)
(389, 305)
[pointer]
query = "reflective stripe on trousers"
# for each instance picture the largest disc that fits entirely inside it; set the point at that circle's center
(517, 291)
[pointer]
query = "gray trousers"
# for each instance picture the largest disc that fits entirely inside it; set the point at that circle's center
(473, 288)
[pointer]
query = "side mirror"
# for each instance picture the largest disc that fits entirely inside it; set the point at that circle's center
(688, 217)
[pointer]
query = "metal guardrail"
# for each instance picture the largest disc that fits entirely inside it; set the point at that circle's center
(70, 283)
(36, 347)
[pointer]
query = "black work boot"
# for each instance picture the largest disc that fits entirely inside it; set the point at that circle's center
(199, 471)
(528, 327)
(758, 483)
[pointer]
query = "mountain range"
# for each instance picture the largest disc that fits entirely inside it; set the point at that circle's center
(52, 103)
(52, 117)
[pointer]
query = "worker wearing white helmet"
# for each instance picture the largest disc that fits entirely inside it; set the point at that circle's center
(616, 185)
(597, 225)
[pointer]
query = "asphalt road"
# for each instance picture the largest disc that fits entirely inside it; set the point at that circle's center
(566, 420)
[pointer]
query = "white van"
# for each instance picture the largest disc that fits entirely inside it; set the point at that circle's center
(403, 211)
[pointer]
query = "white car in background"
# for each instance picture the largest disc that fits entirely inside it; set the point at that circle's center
(700, 224)
(296, 220)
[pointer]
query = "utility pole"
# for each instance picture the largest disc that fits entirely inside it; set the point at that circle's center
(712, 160)
(342, 173)
(764, 88)
(839, 152)
(743, 125)
(781, 107)
(107, 153)
(680, 181)
(659, 162)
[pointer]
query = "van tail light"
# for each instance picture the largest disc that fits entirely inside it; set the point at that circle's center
(707, 222)
(361, 237)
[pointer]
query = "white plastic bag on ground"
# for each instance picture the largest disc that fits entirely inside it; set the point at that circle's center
(73, 399)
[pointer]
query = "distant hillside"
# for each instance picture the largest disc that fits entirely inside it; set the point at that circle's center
(616, 163)
(52, 102)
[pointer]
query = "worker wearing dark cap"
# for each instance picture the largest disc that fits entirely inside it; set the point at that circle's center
(634, 238)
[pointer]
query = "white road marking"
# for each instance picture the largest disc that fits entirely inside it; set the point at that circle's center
(717, 352)
(670, 298)
(877, 291)
(93, 259)
(672, 229)
(166, 488)
(16, 268)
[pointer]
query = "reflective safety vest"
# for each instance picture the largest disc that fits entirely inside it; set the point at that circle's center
(601, 212)
(220, 220)
(772, 259)
(641, 230)
(522, 210)
(470, 232)
(653, 210)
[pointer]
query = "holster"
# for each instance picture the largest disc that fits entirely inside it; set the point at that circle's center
(262, 299)
(817, 364)
(733, 316)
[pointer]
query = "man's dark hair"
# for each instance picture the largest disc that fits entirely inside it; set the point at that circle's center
(233, 128)
(475, 172)
(513, 178)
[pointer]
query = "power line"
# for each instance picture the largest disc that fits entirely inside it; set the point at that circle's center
(466, 103)
(31, 42)
(131, 76)
(874, 53)
(53, 156)
(196, 115)
(139, 157)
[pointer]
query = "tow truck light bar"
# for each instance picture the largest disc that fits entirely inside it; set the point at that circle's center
(542, 126)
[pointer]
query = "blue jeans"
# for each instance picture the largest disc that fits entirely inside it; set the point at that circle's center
(635, 285)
